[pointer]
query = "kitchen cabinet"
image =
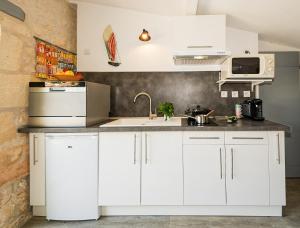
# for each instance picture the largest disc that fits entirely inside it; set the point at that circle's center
(277, 167)
(37, 168)
(71, 176)
(140, 168)
(204, 174)
(162, 177)
(160, 172)
(119, 168)
(247, 168)
(205, 32)
(247, 175)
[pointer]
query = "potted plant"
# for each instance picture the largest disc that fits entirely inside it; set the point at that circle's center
(167, 109)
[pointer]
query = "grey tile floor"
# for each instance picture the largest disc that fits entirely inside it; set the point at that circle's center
(291, 218)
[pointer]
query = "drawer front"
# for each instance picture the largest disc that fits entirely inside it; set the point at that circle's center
(203, 138)
(246, 137)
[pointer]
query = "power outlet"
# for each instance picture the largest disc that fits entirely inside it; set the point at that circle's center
(247, 93)
(235, 94)
(224, 94)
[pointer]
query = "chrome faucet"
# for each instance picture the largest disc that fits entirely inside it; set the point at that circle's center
(151, 115)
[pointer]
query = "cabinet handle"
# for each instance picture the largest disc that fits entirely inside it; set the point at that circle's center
(204, 137)
(247, 138)
(35, 160)
(221, 168)
(231, 163)
(146, 149)
(57, 89)
(134, 151)
(278, 149)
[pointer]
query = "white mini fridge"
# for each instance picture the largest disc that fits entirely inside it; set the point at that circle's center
(72, 176)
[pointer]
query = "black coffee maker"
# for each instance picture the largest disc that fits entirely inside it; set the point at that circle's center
(253, 109)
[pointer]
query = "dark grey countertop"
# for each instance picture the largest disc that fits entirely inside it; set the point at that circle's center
(222, 125)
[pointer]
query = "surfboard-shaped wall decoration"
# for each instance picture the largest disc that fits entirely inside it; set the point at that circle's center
(110, 42)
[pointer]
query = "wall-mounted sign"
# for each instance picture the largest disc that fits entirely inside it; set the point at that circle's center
(52, 61)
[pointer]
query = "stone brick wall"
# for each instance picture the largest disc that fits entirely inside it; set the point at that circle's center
(54, 21)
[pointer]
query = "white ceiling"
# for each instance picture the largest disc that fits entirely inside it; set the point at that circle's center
(274, 20)
(161, 7)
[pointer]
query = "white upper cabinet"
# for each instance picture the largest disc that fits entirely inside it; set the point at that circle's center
(119, 168)
(162, 176)
(205, 32)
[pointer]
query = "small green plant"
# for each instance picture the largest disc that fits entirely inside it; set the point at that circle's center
(167, 109)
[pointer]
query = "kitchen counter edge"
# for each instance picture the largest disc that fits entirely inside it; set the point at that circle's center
(241, 125)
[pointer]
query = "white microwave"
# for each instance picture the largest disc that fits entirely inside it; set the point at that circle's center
(261, 66)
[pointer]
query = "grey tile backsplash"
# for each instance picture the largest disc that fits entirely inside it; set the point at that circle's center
(180, 88)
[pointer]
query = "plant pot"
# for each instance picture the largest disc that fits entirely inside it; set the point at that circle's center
(166, 118)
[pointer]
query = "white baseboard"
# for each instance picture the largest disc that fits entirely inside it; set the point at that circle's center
(193, 210)
(182, 210)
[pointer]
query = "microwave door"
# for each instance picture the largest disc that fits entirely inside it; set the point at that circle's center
(57, 103)
(246, 65)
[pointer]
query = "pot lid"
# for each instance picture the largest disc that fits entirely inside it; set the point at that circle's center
(195, 110)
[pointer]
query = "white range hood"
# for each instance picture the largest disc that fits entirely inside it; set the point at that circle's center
(200, 57)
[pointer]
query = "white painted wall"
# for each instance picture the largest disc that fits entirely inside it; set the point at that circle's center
(267, 46)
(237, 41)
(156, 55)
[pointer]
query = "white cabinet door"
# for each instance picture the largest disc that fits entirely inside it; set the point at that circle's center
(277, 168)
(204, 175)
(37, 168)
(119, 168)
(71, 176)
(162, 174)
(247, 174)
(206, 32)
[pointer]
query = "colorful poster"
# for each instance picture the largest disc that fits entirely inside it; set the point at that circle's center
(52, 60)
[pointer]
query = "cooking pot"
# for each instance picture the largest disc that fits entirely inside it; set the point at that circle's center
(200, 116)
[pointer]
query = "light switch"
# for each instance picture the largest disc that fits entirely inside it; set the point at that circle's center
(247, 93)
(234, 94)
(224, 94)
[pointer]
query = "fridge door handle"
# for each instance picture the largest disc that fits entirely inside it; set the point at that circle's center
(35, 159)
